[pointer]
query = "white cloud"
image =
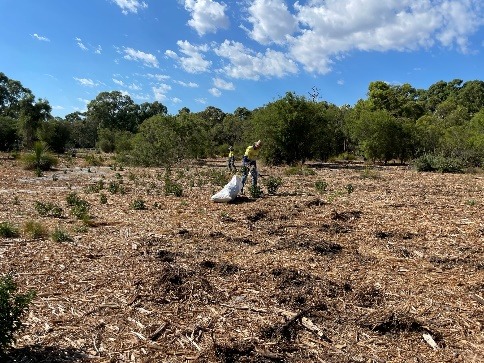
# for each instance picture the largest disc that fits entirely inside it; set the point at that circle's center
(220, 83)
(271, 21)
(207, 15)
(147, 59)
(158, 77)
(80, 44)
(98, 50)
(203, 101)
(40, 37)
(130, 6)
(86, 82)
(118, 82)
(215, 92)
(332, 28)
(189, 84)
(176, 100)
(161, 91)
(246, 64)
(193, 61)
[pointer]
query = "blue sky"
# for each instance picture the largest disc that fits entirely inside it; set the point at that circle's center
(239, 53)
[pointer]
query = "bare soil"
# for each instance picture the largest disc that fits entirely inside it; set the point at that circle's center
(386, 265)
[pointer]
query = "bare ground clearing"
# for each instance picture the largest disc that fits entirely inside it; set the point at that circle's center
(391, 272)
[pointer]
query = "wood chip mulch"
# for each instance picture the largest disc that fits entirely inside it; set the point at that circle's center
(385, 265)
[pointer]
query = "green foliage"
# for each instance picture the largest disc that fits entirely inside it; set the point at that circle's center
(13, 306)
(39, 159)
(55, 134)
(7, 230)
(349, 188)
(60, 235)
(255, 191)
(299, 170)
(217, 177)
(138, 204)
(48, 209)
(321, 186)
(115, 187)
(8, 133)
(93, 159)
(35, 230)
(272, 184)
(79, 207)
(439, 163)
(173, 188)
(103, 199)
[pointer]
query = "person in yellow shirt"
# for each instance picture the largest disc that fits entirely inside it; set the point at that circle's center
(231, 160)
(249, 163)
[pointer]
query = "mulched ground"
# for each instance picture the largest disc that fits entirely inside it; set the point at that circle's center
(386, 265)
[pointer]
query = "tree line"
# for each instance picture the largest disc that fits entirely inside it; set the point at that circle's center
(394, 123)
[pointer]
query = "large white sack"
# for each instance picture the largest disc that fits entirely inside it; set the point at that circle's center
(229, 191)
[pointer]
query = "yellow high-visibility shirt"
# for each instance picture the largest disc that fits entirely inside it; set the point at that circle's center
(231, 154)
(251, 153)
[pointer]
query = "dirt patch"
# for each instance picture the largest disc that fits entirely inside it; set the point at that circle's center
(300, 276)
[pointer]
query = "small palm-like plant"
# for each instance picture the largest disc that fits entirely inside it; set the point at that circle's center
(40, 159)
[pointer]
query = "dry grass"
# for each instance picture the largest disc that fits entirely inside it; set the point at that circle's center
(378, 272)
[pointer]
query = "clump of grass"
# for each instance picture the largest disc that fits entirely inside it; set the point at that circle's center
(93, 160)
(48, 209)
(103, 199)
(272, 184)
(369, 173)
(8, 230)
(60, 235)
(349, 188)
(35, 230)
(299, 170)
(115, 187)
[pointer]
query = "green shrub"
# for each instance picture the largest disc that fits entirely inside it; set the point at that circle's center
(272, 184)
(35, 229)
(173, 188)
(138, 204)
(48, 209)
(439, 163)
(79, 207)
(299, 170)
(103, 199)
(7, 230)
(39, 159)
(255, 191)
(321, 186)
(12, 307)
(59, 235)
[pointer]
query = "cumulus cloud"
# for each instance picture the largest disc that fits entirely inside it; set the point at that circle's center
(221, 84)
(215, 92)
(244, 63)
(130, 6)
(86, 82)
(333, 27)
(40, 37)
(147, 59)
(158, 77)
(80, 44)
(161, 91)
(271, 21)
(207, 15)
(193, 60)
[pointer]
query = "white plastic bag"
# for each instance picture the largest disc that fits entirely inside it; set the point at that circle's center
(229, 191)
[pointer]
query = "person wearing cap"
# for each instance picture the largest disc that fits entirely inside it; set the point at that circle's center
(249, 163)
(231, 160)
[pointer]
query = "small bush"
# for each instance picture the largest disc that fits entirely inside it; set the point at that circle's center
(321, 186)
(173, 188)
(35, 230)
(59, 235)
(138, 204)
(79, 207)
(255, 191)
(48, 209)
(7, 230)
(12, 307)
(103, 199)
(272, 184)
(40, 159)
(439, 163)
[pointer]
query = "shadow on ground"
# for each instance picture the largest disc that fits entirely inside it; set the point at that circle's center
(39, 354)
